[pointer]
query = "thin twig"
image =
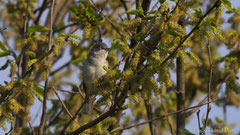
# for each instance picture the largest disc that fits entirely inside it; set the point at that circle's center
(125, 8)
(149, 115)
(43, 117)
(73, 118)
(209, 86)
(117, 30)
(199, 124)
(216, 4)
(166, 113)
(64, 106)
(60, 68)
(64, 27)
(163, 116)
(218, 86)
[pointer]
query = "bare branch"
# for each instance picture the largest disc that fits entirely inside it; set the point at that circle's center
(163, 116)
(209, 87)
(166, 113)
(149, 114)
(126, 8)
(64, 106)
(199, 125)
(74, 117)
(43, 118)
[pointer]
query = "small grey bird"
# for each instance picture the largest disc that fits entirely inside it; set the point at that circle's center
(92, 70)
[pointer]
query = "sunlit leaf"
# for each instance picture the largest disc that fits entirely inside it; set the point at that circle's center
(37, 28)
(31, 54)
(2, 46)
(227, 4)
(4, 53)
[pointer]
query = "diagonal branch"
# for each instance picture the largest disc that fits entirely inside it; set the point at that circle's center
(64, 106)
(216, 5)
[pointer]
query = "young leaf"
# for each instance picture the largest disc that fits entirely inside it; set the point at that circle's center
(37, 28)
(32, 62)
(2, 46)
(78, 60)
(75, 36)
(198, 12)
(135, 12)
(227, 4)
(172, 32)
(31, 54)
(6, 65)
(4, 53)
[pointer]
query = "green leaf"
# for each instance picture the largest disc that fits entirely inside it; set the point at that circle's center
(31, 54)
(227, 4)
(135, 12)
(31, 62)
(4, 53)
(73, 42)
(78, 60)
(37, 28)
(2, 46)
(162, 1)
(185, 132)
(75, 36)
(172, 32)
(198, 12)
(6, 64)
(39, 92)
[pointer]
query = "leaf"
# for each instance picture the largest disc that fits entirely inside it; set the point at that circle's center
(37, 28)
(162, 1)
(2, 46)
(78, 60)
(75, 36)
(172, 32)
(227, 4)
(135, 12)
(31, 62)
(4, 53)
(39, 92)
(198, 12)
(31, 54)
(185, 132)
(73, 42)
(6, 64)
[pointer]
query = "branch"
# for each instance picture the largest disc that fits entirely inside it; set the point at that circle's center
(199, 125)
(64, 106)
(60, 68)
(149, 115)
(126, 8)
(209, 87)
(189, 113)
(43, 118)
(64, 27)
(163, 116)
(166, 113)
(216, 5)
(73, 118)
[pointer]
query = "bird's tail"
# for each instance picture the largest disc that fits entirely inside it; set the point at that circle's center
(88, 106)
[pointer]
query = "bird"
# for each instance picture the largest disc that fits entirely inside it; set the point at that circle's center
(93, 69)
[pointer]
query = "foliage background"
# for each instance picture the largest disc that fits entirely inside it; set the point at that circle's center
(74, 79)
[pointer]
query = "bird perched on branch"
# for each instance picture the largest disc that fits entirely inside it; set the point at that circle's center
(92, 70)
